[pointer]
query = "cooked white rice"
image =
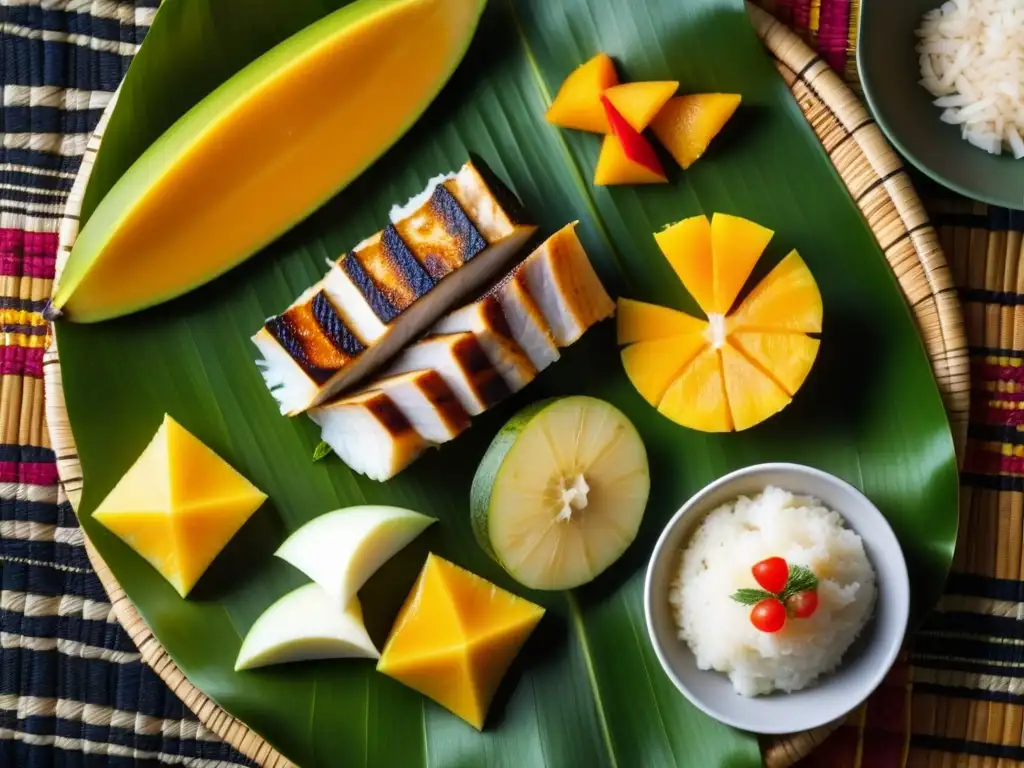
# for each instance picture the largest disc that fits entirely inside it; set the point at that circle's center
(717, 562)
(972, 61)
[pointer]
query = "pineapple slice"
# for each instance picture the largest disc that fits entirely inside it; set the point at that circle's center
(687, 247)
(786, 300)
(637, 321)
(561, 491)
(787, 356)
(697, 398)
(752, 395)
(653, 365)
(737, 244)
(733, 371)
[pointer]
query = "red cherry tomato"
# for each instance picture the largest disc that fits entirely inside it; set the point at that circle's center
(769, 615)
(772, 574)
(802, 605)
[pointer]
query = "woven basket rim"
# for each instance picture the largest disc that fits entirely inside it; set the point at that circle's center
(926, 284)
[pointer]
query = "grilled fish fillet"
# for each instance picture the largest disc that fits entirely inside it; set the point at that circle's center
(479, 358)
(370, 434)
(463, 364)
(485, 319)
(440, 247)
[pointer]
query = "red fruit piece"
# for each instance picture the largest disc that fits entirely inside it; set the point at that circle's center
(802, 605)
(772, 574)
(769, 615)
(636, 147)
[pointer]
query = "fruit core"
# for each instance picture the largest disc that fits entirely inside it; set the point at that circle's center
(716, 331)
(572, 494)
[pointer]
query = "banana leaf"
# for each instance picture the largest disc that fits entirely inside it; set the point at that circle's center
(587, 688)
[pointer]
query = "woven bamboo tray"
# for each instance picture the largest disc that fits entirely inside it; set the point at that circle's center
(874, 175)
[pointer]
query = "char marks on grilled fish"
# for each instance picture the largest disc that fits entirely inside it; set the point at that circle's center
(485, 319)
(384, 295)
(462, 363)
(440, 234)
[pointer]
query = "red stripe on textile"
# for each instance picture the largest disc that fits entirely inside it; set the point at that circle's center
(21, 361)
(995, 372)
(991, 463)
(28, 254)
(834, 33)
(41, 473)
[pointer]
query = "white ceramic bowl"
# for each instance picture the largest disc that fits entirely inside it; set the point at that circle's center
(864, 665)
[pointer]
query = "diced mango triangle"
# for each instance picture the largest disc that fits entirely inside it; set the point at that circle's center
(455, 638)
(578, 102)
(179, 505)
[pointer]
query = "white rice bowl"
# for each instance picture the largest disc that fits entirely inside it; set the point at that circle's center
(717, 561)
(971, 55)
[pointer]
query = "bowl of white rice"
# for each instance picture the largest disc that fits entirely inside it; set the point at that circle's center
(945, 82)
(815, 668)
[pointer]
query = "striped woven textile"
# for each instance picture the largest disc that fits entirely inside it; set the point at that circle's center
(73, 690)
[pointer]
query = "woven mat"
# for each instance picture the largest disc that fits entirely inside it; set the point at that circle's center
(73, 690)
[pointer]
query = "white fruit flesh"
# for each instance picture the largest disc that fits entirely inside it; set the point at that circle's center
(570, 494)
(342, 549)
(462, 363)
(370, 434)
(485, 319)
(562, 281)
(304, 625)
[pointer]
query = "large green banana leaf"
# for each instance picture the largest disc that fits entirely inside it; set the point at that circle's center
(587, 689)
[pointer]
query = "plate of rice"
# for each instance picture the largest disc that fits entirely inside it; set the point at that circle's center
(777, 598)
(945, 81)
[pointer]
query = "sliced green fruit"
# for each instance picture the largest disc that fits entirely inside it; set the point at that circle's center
(263, 151)
(304, 625)
(561, 491)
(342, 549)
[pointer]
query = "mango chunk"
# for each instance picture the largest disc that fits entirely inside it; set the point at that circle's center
(455, 637)
(788, 299)
(578, 102)
(640, 102)
(686, 125)
(178, 505)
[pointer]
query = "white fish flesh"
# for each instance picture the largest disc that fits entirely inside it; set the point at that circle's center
(446, 243)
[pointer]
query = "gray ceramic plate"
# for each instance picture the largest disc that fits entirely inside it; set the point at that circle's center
(889, 72)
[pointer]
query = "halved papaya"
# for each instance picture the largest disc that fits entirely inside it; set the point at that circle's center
(263, 151)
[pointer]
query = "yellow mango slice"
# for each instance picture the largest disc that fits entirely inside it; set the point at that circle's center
(697, 398)
(787, 357)
(686, 125)
(737, 244)
(687, 246)
(455, 638)
(178, 505)
(615, 167)
(787, 299)
(578, 102)
(753, 396)
(639, 321)
(653, 365)
(639, 102)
